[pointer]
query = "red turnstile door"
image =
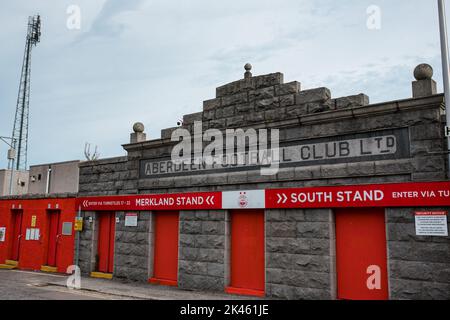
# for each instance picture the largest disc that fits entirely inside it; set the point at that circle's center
(165, 267)
(361, 256)
(16, 223)
(53, 227)
(247, 253)
(106, 237)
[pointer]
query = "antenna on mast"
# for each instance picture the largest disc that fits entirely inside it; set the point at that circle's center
(20, 129)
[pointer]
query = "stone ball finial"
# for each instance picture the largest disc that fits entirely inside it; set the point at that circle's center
(423, 72)
(248, 68)
(138, 127)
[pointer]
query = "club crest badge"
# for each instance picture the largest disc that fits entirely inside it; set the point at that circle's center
(243, 199)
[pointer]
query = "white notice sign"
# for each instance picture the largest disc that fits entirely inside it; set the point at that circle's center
(131, 220)
(431, 223)
(2, 234)
(32, 234)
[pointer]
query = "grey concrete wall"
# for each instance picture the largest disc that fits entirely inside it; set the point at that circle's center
(419, 266)
(17, 189)
(64, 178)
(38, 179)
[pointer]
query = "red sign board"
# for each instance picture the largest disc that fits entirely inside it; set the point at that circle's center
(180, 201)
(431, 194)
(381, 195)
(431, 213)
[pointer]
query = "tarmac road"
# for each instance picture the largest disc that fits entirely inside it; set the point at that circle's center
(22, 285)
(26, 285)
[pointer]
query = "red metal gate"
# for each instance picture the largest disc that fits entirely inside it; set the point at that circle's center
(165, 266)
(106, 237)
(16, 222)
(247, 253)
(53, 227)
(361, 255)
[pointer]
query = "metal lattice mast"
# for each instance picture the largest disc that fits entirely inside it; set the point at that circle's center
(20, 129)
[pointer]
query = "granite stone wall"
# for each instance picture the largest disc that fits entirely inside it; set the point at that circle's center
(300, 257)
(300, 244)
(419, 266)
(255, 103)
(106, 177)
(88, 244)
(202, 250)
(132, 248)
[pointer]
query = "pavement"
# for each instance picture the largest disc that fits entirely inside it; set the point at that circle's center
(25, 285)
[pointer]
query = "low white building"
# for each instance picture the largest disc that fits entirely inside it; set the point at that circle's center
(19, 185)
(54, 178)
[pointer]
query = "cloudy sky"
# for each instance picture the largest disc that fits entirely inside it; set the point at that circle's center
(155, 60)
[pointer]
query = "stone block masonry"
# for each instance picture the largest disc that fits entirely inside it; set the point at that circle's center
(88, 244)
(299, 254)
(419, 265)
(299, 243)
(202, 250)
(306, 114)
(132, 248)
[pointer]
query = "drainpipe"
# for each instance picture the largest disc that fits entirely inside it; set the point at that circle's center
(47, 186)
(11, 180)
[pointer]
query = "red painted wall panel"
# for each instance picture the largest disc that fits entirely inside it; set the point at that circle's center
(361, 247)
(33, 253)
(4, 222)
(165, 268)
(17, 234)
(65, 243)
(247, 252)
(106, 237)
(53, 235)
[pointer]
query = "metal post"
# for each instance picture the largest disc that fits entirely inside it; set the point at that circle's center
(12, 169)
(445, 69)
(77, 241)
(11, 179)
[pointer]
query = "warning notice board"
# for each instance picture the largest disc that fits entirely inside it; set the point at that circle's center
(431, 223)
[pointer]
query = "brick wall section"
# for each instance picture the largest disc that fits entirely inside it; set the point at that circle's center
(299, 254)
(202, 250)
(419, 266)
(132, 248)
